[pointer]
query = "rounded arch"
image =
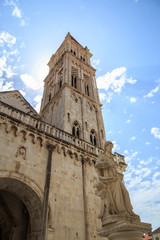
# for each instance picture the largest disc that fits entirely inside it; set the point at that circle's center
(25, 195)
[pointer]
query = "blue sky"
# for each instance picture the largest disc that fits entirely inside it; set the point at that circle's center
(124, 38)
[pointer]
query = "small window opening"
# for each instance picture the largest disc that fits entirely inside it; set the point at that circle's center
(49, 97)
(68, 115)
(73, 131)
(60, 84)
(72, 81)
(84, 59)
(87, 90)
(76, 234)
(74, 53)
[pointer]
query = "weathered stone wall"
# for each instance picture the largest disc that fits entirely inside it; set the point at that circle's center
(23, 156)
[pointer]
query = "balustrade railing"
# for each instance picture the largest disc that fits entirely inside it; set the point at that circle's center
(48, 129)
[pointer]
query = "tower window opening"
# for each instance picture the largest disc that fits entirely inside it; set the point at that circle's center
(93, 138)
(74, 81)
(86, 89)
(74, 53)
(49, 97)
(60, 84)
(68, 115)
(76, 129)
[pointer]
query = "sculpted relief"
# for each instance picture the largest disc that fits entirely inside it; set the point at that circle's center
(114, 196)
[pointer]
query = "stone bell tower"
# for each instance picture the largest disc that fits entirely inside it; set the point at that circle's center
(70, 99)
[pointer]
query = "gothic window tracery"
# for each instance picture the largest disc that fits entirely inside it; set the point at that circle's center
(76, 129)
(93, 137)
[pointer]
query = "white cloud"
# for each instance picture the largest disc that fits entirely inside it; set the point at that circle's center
(96, 62)
(5, 86)
(7, 38)
(128, 121)
(37, 100)
(16, 12)
(147, 143)
(115, 146)
(125, 152)
(152, 92)
(156, 132)
(102, 96)
(7, 54)
(132, 138)
(22, 92)
(132, 99)
(30, 82)
(114, 80)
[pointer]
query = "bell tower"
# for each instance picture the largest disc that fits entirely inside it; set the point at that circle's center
(70, 99)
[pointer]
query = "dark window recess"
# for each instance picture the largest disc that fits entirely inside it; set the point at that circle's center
(49, 97)
(74, 81)
(76, 129)
(93, 138)
(68, 117)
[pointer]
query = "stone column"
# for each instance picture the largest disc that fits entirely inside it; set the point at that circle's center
(46, 191)
(84, 199)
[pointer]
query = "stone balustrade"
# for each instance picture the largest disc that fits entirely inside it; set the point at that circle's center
(46, 128)
(53, 131)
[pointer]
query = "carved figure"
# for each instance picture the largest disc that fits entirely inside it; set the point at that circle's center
(21, 152)
(107, 204)
(116, 194)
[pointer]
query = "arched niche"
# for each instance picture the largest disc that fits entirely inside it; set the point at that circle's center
(20, 210)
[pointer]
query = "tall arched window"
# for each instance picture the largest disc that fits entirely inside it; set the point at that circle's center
(76, 129)
(86, 89)
(74, 81)
(93, 137)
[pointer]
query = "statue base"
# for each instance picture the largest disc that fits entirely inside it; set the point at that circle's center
(123, 228)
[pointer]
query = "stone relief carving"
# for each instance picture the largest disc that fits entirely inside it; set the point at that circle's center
(114, 196)
(21, 152)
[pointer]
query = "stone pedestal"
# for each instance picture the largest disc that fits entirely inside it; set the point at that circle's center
(126, 235)
(123, 228)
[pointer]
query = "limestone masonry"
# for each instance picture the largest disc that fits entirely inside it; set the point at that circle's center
(48, 173)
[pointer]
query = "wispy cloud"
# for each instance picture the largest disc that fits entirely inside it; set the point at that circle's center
(37, 101)
(8, 53)
(152, 92)
(156, 132)
(17, 12)
(132, 138)
(114, 81)
(30, 82)
(132, 99)
(128, 121)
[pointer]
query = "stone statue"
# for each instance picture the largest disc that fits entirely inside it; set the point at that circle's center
(117, 199)
(119, 222)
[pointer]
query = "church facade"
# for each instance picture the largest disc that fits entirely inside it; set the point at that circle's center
(47, 160)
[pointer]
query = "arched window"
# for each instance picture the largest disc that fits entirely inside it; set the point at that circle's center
(93, 138)
(86, 89)
(76, 129)
(74, 81)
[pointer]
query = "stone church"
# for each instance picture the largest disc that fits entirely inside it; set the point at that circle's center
(47, 160)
